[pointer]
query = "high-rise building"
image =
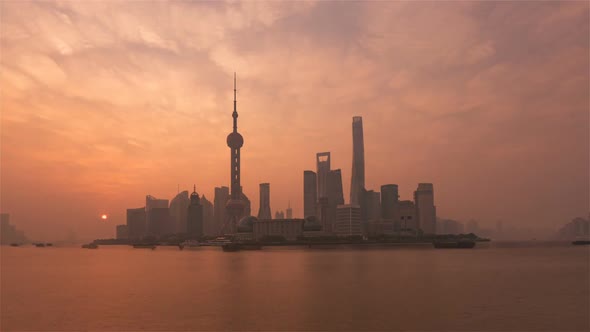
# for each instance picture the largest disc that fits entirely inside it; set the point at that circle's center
(264, 210)
(122, 232)
(324, 214)
(323, 168)
(289, 211)
(209, 228)
(159, 222)
(407, 215)
(389, 202)
(310, 193)
(279, 215)
(157, 216)
(373, 205)
(348, 220)
(425, 208)
(219, 208)
(235, 206)
(358, 161)
(335, 197)
(8, 232)
(178, 210)
(136, 223)
(195, 216)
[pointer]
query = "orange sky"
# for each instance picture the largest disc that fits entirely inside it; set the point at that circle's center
(104, 102)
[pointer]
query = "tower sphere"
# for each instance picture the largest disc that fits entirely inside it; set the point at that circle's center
(235, 140)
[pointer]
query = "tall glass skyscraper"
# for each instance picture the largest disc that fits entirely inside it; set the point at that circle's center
(358, 161)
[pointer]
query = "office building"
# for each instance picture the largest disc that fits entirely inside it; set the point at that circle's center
(178, 209)
(136, 223)
(250, 228)
(390, 202)
(209, 228)
(348, 220)
(323, 168)
(358, 161)
(9, 233)
(425, 208)
(264, 210)
(122, 232)
(195, 216)
(219, 208)
(310, 193)
(279, 215)
(157, 222)
(407, 216)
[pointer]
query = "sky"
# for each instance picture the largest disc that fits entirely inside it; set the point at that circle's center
(105, 102)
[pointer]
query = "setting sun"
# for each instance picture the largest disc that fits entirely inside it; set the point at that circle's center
(103, 217)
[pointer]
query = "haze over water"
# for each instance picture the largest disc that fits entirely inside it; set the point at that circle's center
(494, 287)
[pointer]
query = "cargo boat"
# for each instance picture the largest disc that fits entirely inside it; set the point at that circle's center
(90, 246)
(580, 242)
(460, 244)
(230, 247)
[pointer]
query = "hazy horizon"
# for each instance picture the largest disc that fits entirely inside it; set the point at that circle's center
(104, 103)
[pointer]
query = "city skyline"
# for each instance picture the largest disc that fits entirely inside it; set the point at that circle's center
(78, 148)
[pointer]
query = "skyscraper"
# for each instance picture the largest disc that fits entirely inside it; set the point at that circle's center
(425, 209)
(310, 193)
(219, 208)
(235, 206)
(136, 223)
(358, 161)
(289, 211)
(264, 210)
(389, 201)
(209, 227)
(335, 197)
(178, 210)
(195, 216)
(323, 168)
(157, 216)
(348, 220)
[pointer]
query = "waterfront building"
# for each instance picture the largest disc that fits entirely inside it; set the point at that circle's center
(279, 215)
(178, 209)
(358, 161)
(264, 210)
(390, 202)
(251, 228)
(381, 227)
(407, 216)
(425, 208)
(236, 206)
(209, 228)
(195, 216)
(578, 228)
(219, 208)
(157, 222)
(310, 193)
(324, 215)
(136, 223)
(348, 220)
(335, 197)
(122, 232)
(323, 168)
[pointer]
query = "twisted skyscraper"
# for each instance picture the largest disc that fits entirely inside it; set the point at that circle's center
(358, 161)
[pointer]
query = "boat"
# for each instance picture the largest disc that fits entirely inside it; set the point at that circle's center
(49, 244)
(15, 244)
(90, 246)
(230, 247)
(144, 246)
(458, 244)
(40, 245)
(581, 242)
(218, 241)
(189, 244)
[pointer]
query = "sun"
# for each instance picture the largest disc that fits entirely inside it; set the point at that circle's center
(104, 217)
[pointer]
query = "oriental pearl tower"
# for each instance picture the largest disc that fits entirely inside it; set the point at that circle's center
(235, 205)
